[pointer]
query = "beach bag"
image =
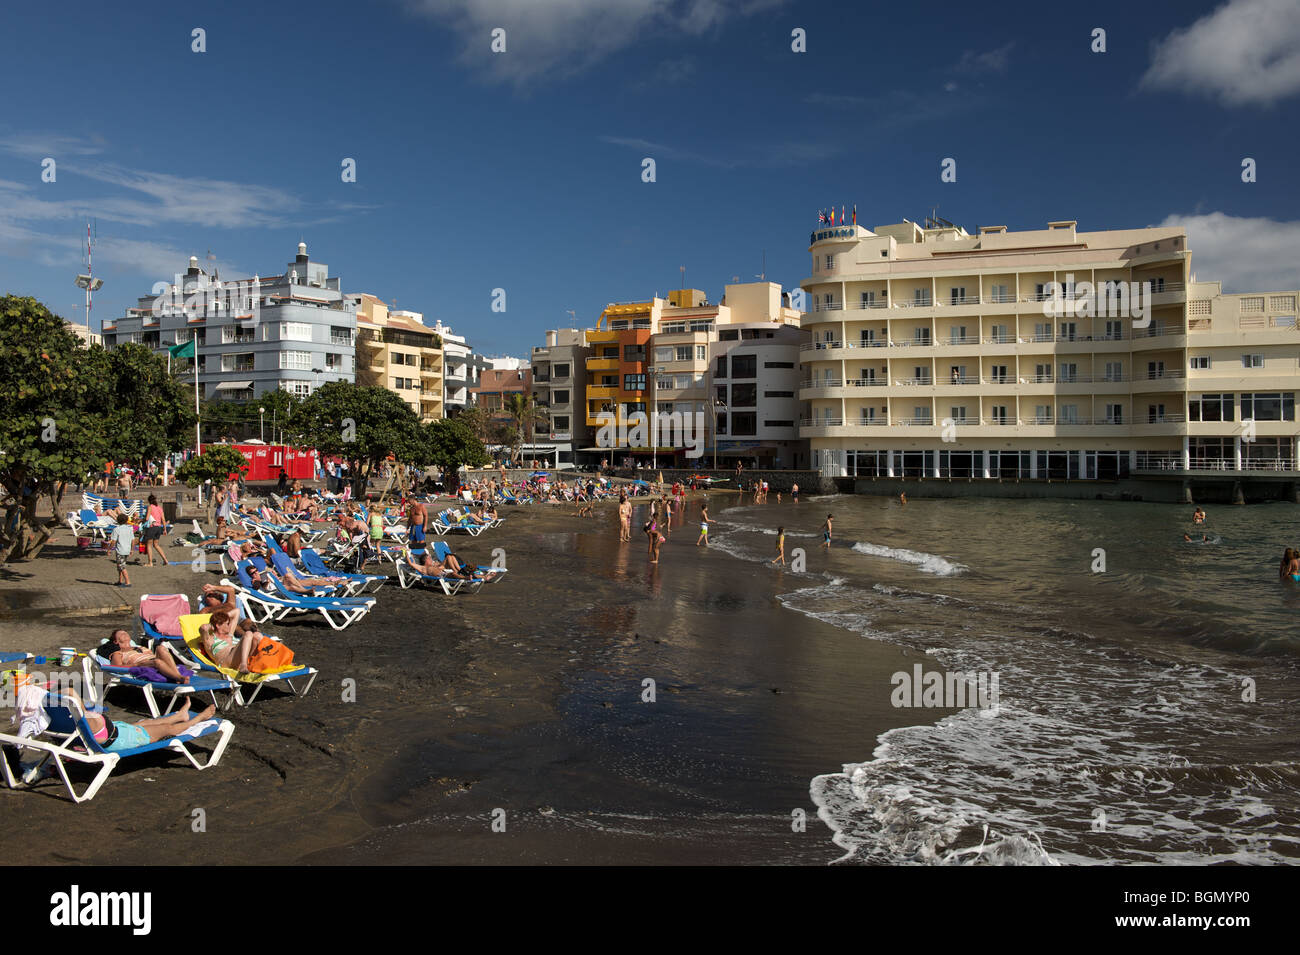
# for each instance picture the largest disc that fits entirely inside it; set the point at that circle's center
(270, 656)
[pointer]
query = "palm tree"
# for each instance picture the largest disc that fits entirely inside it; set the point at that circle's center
(525, 412)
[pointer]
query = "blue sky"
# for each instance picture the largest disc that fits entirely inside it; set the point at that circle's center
(522, 170)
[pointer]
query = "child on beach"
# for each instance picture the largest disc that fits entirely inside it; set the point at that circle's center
(780, 547)
(826, 531)
(704, 526)
(122, 537)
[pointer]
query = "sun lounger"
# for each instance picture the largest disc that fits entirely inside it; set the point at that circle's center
(173, 692)
(408, 576)
(484, 573)
(245, 683)
(339, 612)
(69, 739)
(313, 564)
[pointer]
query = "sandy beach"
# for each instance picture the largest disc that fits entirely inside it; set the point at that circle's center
(522, 704)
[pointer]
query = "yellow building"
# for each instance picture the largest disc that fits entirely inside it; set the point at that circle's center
(1039, 354)
(395, 350)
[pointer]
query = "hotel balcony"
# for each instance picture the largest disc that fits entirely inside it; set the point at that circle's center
(602, 364)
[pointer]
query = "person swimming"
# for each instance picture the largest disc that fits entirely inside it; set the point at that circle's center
(1290, 566)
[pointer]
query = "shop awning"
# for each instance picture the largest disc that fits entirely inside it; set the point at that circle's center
(234, 385)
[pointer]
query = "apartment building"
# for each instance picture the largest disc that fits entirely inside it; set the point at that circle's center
(396, 350)
(755, 375)
(294, 330)
(656, 355)
(461, 369)
(1050, 353)
(560, 386)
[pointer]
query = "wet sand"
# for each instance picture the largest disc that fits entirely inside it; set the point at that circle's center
(521, 705)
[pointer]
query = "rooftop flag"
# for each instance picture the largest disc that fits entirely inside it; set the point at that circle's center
(185, 350)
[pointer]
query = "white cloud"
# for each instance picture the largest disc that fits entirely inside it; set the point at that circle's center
(1245, 53)
(990, 61)
(1245, 254)
(557, 38)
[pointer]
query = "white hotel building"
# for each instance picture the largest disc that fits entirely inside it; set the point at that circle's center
(935, 353)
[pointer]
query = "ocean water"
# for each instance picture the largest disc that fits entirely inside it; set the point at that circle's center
(1147, 687)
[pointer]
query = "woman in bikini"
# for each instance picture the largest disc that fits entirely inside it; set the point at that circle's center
(223, 645)
(119, 736)
(120, 652)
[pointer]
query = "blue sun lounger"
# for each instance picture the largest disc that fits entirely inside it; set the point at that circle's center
(173, 692)
(339, 612)
(69, 739)
(312, 562)
(488, 575)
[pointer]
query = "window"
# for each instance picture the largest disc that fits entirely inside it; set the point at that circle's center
(1069, 330)
(958, 414)
(1000, 293)
(1155, 369)
(560, 397)
(998, 374)
(300, 360)
(921, 374)
(683, 353)
(957, 295)
(721, 394)
(1069, 414)
(778, 394)
(634, 353)
(610, 351)
(868, 299)
(1042, 414)
(403, 384)
(333, 362)
(238, 362)
(232, 335)
(701, 325)
(1042, 373)
(1252, 361)
(561, 423)
(728, 335)
(1043, 332)
(920, 297)
(634, 382)
(1199, 362)
(295, 332)
(998, 414)
(746, 422)
(868, 415)
(1114, 414)
(778, 364)
(921, 415)
(744, 366)
(560, 371)
(1155, 414)
(1268, 406)
(1114, 331)
(301, 389)
(830, 262)
(998, 333)
(957, 334)
(720, 367)
(1068, 371)
(664, 353)
(701, 353)
(778, 424)
(921, 336)
(683, 381)
(1210, 408)
(744, 396)
(1114, 371)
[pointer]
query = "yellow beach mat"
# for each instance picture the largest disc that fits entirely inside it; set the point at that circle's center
(190, 624)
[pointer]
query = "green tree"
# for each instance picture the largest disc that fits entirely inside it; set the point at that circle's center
(363, 425)
(449, 444)
(526, 414)
(52, 401)
(148, 412)
(216, 464)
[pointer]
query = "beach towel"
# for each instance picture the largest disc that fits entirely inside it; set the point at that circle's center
(163, 612)
(190, 624)
(153, 676)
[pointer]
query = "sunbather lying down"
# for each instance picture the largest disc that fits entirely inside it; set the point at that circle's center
(451, 567)
(299, 585)
(117, 736)
(121, 652)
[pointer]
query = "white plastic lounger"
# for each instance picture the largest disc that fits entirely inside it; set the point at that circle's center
(174, 692)
(69, 738)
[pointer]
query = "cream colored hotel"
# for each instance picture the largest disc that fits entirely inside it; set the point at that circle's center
(936, 353)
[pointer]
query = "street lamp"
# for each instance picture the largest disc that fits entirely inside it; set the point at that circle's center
(261, 430)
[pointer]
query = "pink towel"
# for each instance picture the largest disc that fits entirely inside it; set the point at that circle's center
(163, 612)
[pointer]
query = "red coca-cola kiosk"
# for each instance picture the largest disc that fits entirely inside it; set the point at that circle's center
(266, 460)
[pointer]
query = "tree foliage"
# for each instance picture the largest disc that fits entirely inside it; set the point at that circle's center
(215, 464)
(363, 425)
(449, 444)
(65, 410)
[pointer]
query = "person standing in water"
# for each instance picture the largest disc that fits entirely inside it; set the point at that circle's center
(780, 547)
(827, 531)
(902, 498)
(704, 526)
(624, 519)
(794, 493)
(1198, 516)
